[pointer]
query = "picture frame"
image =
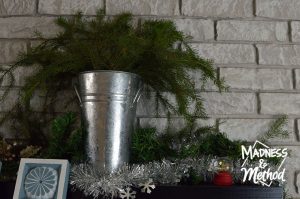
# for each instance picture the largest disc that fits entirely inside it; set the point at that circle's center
(44, 178)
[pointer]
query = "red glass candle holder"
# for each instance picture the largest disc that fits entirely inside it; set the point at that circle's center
(223, 178)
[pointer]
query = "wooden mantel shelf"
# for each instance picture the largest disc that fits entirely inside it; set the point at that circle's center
(184, 192)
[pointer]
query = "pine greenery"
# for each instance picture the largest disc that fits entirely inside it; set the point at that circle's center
(66, 139)
(148, 146)
(154, 49)
(276, 129)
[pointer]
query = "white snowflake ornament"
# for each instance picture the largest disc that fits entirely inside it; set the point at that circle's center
(41, 183)
(148, 186)
(128, 193)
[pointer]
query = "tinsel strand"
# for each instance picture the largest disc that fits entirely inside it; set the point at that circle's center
(96, 182)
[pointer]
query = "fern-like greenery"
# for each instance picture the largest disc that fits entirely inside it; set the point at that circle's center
(155, 50)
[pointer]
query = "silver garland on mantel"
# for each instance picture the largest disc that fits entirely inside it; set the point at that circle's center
(123, 182)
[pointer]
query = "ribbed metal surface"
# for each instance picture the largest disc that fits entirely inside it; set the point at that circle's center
(109, 106)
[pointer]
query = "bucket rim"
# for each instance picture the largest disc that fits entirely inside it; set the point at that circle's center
(109, 71)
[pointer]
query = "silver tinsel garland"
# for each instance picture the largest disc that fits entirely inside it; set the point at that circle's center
(95, 182)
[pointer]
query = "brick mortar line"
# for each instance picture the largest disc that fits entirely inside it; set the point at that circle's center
(296, 130)
(138, 122)
(19, 39)
(217, 124)
(218, 71)
(283, 143)
(220, 117)
(199, 91)
(104, 6)
(166, 16)
(290, 36)
(18, 16)
(250, 116)
(30, 16)
(254, 8)
(294, 79)
(33, 15)
(37, 7)
(32, 38)
(232, 91)
(256, 66)
(211, 41)
(295, 181)
(180, 7)
(258, 103)
(28, 45)
(223, 117)
(287, 43)
(255, 18)
(207, 41)
(236, 90)
(238, 66)
(38, 15)
(218, 18)
(215, 31)
(250, 91)
(49, 15)
(256, 52)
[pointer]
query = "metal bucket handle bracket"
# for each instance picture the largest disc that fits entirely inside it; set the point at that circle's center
(77, 93)
(137, 96)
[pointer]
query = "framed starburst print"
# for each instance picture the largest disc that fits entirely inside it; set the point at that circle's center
(42, 179)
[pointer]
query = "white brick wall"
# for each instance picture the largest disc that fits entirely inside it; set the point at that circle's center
(273, 54)
(25, 27)
(295, 31)
(199, 29)
(143, 7)
(17, 7)
(162, 124)
(226, 53)
(297, 77)
(280, 103)
(278, 9)
(19, 80)
(252, 129)
(217, 8)
(229, 103)
(255, 45)
(9, 50)
(252, 30)
(258, 79)
(67, 7)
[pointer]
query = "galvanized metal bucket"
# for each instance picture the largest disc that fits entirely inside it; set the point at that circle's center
(108, 100)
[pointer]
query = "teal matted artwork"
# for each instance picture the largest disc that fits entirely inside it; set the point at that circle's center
(42, 179)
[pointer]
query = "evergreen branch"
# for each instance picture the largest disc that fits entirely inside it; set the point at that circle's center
(277, 129)
(100, 43)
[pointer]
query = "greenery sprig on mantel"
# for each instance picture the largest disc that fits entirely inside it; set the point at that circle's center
(67, 140)
(148, 145)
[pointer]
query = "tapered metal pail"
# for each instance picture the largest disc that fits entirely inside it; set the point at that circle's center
(108, 101)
